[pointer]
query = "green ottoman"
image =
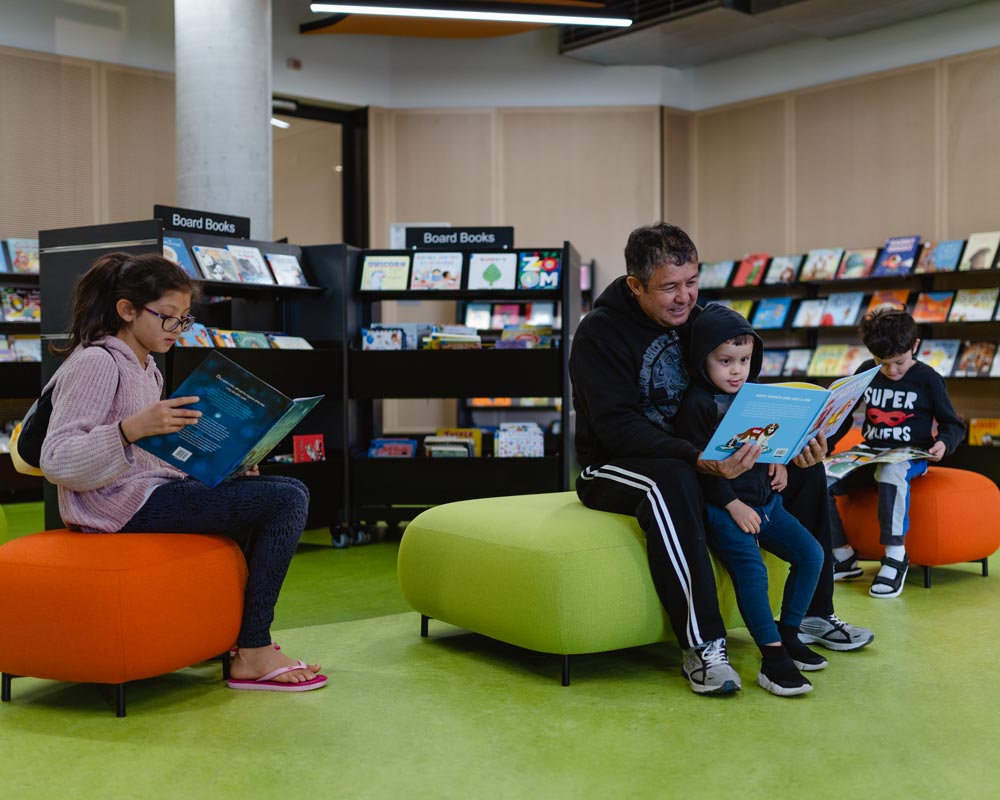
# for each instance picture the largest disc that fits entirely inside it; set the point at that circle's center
(544, 572)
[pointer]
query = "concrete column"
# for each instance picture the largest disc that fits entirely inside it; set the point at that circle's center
(223, 62)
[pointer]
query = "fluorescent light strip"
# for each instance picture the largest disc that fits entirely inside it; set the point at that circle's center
(482, 16)
(280, 123)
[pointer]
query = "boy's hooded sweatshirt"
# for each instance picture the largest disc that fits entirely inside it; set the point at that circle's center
(704, 405)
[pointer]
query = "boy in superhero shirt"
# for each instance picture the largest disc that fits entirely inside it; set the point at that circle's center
(902, 404)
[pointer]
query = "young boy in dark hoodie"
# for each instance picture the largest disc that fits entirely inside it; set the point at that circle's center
(745, 513)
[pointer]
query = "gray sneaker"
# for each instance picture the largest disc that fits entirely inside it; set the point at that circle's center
(834, 633)
(708, 669)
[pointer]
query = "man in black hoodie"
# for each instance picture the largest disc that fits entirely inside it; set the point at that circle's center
(628, 369)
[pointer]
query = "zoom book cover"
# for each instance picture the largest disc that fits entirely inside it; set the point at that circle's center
(242, 419)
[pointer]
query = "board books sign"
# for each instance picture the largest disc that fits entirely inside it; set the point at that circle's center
(502, 237)
(191, 221)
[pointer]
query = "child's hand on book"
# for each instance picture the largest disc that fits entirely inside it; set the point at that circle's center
(937, 451)
(778, 473)
(253, 472)
(746, 519)
(165, 416)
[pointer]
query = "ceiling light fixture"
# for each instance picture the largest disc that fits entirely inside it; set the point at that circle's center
(280, 123)
(484, 12)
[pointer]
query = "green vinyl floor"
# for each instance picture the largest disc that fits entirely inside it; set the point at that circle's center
(915, 715)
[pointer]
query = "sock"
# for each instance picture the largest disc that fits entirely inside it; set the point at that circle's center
(843, 553)
(773, 653)
(778, 666)
(796, 649)
(897, 552)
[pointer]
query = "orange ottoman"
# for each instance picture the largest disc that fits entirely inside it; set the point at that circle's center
(112, 608)
(954, 517)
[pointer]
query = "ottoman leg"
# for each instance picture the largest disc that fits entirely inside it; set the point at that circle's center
(423, 625)
(227, 662)
(986, 566)
(119, 699)
(5, 690)
(565, 671)
(927, 577)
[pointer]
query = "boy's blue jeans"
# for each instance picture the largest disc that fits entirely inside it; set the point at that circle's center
(781, 534)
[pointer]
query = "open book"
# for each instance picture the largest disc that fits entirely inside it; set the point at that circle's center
(242, 420)
(839, 464)
(783, 417)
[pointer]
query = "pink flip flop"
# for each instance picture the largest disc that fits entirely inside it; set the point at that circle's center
(267, 682)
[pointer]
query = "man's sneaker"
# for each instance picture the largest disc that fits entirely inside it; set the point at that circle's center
(708, 669)
(781, 677)
(803, 658)
(848, 568)
(834, 633)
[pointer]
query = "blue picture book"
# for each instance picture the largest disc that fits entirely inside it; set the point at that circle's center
(897, 257)
(772, 312)
(3, 258)
(243, 418)
(175, 250)
(783, 417)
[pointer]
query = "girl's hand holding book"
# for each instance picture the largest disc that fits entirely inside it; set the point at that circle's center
(165, 416)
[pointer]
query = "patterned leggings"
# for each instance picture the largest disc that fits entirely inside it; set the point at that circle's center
(264, 514)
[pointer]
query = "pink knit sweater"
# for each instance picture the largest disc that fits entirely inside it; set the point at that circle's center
(102, 483)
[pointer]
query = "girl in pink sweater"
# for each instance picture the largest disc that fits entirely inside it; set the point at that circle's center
(106, 397)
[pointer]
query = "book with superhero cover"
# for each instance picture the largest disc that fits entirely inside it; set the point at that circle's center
(797, 363)
(538, 269)
(840, 464)
(984, 431)
(809, 314)
(715, 274)
(252, 340)
(25, 347)
(493, 271)
(478, 315)
(783, 269)
(980, 251)
(854, 357)
(857, 264)
(974, 305)
(898, 257)
(895, 298)
(385, 273)
(222, 337)
(175, 250)
(286, 269)
(933, 306)
(308, 447)
(774, 361)
(783, 417)
(771, 313)
(216, 264)
(18, 304)
(198, 336)
(250, 264)
(435, 271)
(842, 309)
(975, 360)
(741, 307)
(242, 420)
(388, 447)
(821, 264)
(939, 256)
(939, 354)
(23, 254)
(750, 271)
(827, 361)
(280, 341)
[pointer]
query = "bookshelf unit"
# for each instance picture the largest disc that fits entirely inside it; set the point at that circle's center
(315, 312)
(387, 489)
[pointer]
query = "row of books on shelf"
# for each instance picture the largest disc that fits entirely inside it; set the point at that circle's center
(428, 336)
(19, 256)
(510, 440)
(235, 263)
(202, 336)
(18, 347)
(900, 256)
(18, 304)
(847, 308)
(950, 358)
(442, 271)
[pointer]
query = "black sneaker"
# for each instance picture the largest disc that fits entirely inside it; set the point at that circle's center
(846, 569)
(781, 677)
(805, 659)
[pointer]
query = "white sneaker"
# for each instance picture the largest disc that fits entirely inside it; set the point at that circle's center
(709, 671)
(834, 633)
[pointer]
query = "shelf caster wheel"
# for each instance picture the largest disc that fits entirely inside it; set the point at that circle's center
(341, 538)
(360, 535)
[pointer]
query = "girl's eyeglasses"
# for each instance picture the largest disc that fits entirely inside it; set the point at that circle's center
(171, 324)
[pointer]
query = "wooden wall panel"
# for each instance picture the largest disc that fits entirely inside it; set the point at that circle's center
(740, 186)
(678, 164)
(308, 186)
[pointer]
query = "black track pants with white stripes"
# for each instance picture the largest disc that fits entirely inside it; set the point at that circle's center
(663, 494)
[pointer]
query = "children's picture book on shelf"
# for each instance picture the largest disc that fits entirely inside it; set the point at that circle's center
(741, 307)
(3, 258)
(939, 256)
(197, 336)
(388, 447)
(897, 257)
(854, 357)
(827, 361)
(857, 264)
(216, 264)
(286, 269)
(23, 255)
(505, 314)
(772, 363)
(382, 338)
(308, 447)
(842, 308)
(25, 347)
(223, 337)
(478, 315)
(492, 271)
(809, 314)
(474, 435)
(974, 360)
(939, 354)
(995, 369)
(771, 313)
(175, 250)
(448, 447)
(6, 353)
(783, 417)
(385, 273)
(783, 269)
(821, 264)
(797, 363)
(280, 341)
(984, 431)
(524, 337)
(750, 271)
(18, 304)
(243, 418)
(715, 274)
(980, 251)
(436, 271)
(974, 305)
(519, 440)
(538, 269)
(251, 340)
(895, 298)
(250, 264)
(541, 313)
(933, 306)
(840, 464)
(413, 332)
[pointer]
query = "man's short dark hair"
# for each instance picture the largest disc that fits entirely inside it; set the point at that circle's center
(888, 331)
(654, 246)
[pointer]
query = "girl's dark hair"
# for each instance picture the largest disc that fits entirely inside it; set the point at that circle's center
(653, 246)
(139, 278)
(888, 331)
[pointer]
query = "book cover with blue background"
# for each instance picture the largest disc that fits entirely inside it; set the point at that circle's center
(175, 250)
